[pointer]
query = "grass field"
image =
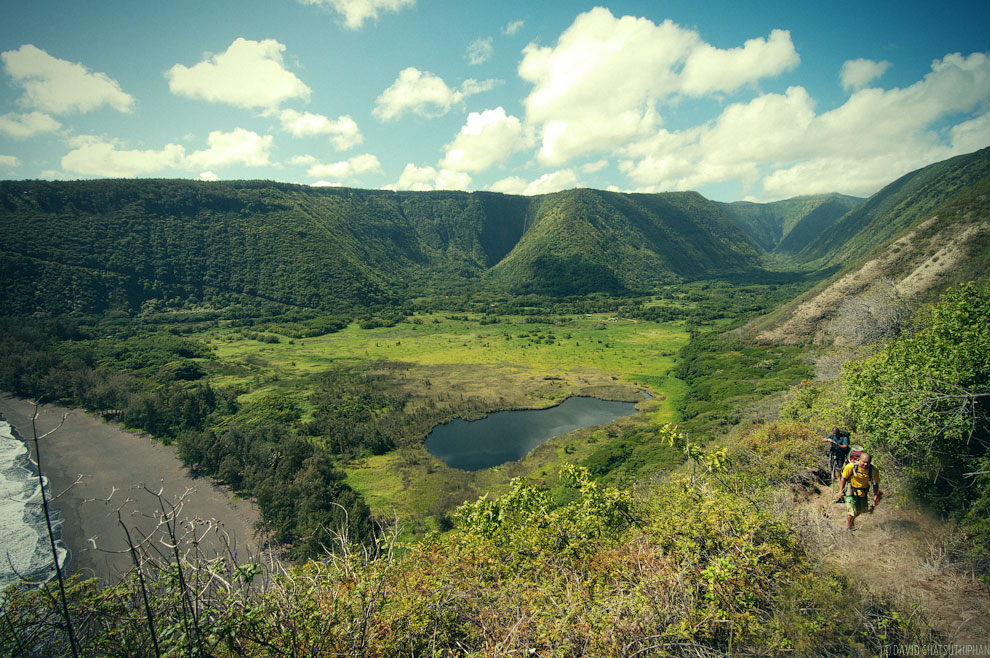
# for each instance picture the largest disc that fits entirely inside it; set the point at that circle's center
(512, 362)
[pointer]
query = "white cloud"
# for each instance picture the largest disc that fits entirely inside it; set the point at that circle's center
(709, 69)
(92, 156)
(250, 74)
(546, 184)
(208, 176)
(859, 176)
(470, 87)
(9, 161)
(22, 126)
(594, 167)
(779, 142)
(513, 28)
(236, 147)
(601, 85)
(303, 161)
(971, 135)
(60, 87)
(597, 88)
(422, 179)
(480, 51)
(356, 12)
(417, 179)
(343, 170)
(343, 130)
(486, 139)
(425, 94)
(857, 73)
(95, 156)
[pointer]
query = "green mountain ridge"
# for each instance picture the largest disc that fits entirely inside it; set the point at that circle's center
(117, 244)
(789, 225)
(896, 207)
(580, 235)
(120, 244)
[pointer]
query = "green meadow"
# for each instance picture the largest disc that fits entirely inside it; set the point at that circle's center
(465, 365)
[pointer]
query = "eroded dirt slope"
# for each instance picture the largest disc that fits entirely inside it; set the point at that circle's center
(915, 263)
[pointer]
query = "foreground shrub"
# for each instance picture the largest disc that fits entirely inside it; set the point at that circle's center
(692, 568)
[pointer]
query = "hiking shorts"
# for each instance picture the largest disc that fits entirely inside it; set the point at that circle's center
(856, 505)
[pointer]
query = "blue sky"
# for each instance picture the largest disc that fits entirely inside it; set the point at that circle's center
(735, 101)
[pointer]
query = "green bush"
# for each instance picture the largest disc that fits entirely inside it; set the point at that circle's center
(926, 399)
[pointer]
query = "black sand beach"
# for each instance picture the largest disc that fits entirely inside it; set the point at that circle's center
(115, 464)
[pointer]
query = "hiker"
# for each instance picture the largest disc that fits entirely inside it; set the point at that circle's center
(858, 474)
(838, 450)
(840, 443)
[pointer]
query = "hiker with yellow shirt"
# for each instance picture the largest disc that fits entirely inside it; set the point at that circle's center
(859, 475)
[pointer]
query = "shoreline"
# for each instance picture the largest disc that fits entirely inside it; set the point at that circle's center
(97, 473)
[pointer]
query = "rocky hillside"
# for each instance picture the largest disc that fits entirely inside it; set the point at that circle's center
(938, 236)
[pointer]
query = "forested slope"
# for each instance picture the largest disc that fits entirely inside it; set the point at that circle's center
(897, 207)
(96, 245)
(587, 240)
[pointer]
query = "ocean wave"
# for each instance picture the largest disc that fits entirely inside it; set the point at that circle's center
(25, 552)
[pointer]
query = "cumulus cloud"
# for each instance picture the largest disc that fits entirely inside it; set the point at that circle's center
(208, 176)
(593, 167)
(779, 142)
(9, 161)
(600, 86)
(546, 184)
(513, 28)
(95, 156)
(480, 51)
(344, 170)
(22, 126)
(486, 139)
(249, 74)
(236, 147)
(709, 69)
(343, 131)
(60, 87)
(423, 179)
(425, 94)
(356, 12)
(971, 135)
(857, 73)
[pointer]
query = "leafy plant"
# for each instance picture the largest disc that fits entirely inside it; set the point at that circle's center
(925, 399)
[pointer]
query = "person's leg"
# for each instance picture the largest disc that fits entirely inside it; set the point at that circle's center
(852, 511)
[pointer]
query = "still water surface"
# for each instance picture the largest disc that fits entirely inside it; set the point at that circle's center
(506, 436)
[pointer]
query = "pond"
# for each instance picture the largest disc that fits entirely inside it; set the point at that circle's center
(506, 436)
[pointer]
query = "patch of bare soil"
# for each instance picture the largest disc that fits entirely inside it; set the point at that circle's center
(901, 552)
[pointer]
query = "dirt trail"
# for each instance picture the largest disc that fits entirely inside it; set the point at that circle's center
(900, 551)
